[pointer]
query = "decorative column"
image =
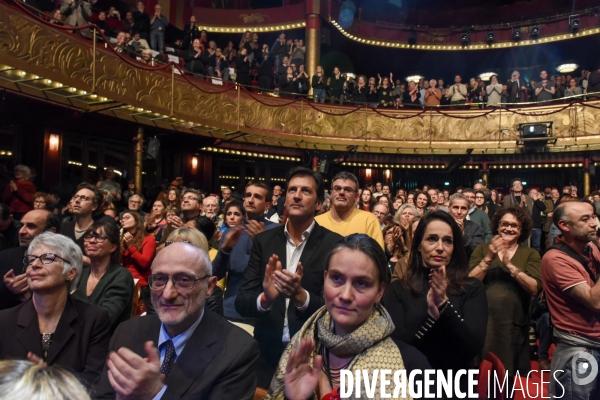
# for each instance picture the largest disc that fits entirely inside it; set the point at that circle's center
(586, 176)
(139, 159)
(313, 37)
(485, 167)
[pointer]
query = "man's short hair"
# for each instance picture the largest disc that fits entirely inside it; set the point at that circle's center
(262, 185)
(459, 196)
(192, 191)
(211, 198)
(52, 221)
(346, 176)
(468, 190)
(317, 177)
(98, 198)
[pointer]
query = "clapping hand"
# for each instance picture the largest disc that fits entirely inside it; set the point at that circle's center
(436, 296)
(301, 380)
(128, 239)
(269, 289)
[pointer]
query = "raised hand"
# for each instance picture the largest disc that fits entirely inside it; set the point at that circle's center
(36, 360)
(16, 283)
(289, 284)
(436, 296)
(496, 246)
(269, 288)
(232, 238)
(301, 380)
(253, 228)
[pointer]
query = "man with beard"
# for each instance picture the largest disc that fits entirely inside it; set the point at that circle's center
(190, 208)
(210, 207)
(184, 351)
(570, 279)
(13, 288)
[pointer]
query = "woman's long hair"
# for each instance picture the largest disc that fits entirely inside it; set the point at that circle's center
(457, 270)
(111, 231)
(140, 231)
(363, 206)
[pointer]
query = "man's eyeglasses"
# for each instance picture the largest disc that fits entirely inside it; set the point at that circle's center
(504, 224)
(99, 238)
(189, 198)
(81, 197)
(346, 189)
(39, 202)
(46, 259)
(181, 282)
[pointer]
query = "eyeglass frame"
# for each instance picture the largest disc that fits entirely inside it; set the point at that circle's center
(96, 236)
(346, 189)
(27, 258)
(189, 199)
(81, 197)
(174, 283)
(504, 224)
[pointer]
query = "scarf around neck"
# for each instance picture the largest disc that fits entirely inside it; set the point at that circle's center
(370, 343)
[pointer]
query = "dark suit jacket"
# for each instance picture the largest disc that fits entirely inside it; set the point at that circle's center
(80, 342)
(269, 325)
(515, 92)
(10, 259)
(217, 362)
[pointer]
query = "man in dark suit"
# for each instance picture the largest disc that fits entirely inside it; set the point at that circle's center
(13, 287)
(516, 88)
(283, 283)
(184, 351)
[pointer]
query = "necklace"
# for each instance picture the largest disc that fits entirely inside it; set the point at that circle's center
(333, 374)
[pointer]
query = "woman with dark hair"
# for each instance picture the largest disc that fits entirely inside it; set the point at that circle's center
(351, 331)
(511, 275)
(366, 200)
(173, 198)
(106, 283)
(397, 203)
(43, 201)
(234, 213)
(422, 202)
(138, 251)
(397, 245)
(155, 221)
(435, 306)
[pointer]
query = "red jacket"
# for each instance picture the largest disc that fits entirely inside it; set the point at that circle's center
(139, 261)
(20, 201)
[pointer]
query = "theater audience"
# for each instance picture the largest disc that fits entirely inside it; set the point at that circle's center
(106, 283)
(137, 251)
(435, 306)
(333, 339)
(53, 327)
(511, 275)
(198, 353)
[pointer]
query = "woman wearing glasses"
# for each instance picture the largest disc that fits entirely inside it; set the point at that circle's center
(138, 251)
(54, 328)
(511, 275)
(106, 283)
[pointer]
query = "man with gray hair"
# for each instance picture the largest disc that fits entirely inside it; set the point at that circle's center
(210, 208)
(158, 26)
(183, 351)
(473, 234)
(19, 192)
(135, 203)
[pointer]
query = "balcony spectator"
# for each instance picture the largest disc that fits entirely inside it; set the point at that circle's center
(457, 93)
(281, 70)
(302, 80)
(193, 58)
(287, 86)
(147, 57)
(474, 93)
(319, 85)
(219, 67)
(385, 91)
(372, 93)
(494, 92)
(279, 49)
(246, 42)
(128, 23)
(18, 194)
(57, 18)
(242, 65)
(360, 90)
(103, 25)
(190, 33)
(516, 88)
(433, 95)
(265, 73)
(298, 52)
(544, 89)
(412, 95)
(77, 13)
(158, 25)
(138, 44)
(336, 87)
(208, 55)
(141, 21)
(573, 89)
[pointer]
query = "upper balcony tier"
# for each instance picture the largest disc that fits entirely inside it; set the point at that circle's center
(55, 65)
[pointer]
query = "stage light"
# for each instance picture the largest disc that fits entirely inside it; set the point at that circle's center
(486, 76)
(535, 32)
(464, 39)
(517, 35)
(490, 38)
(574, 25)
(566, 68)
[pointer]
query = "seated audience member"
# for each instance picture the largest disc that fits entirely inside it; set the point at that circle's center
(138, 250)
(112, 213)
(570, 286)
(343, 218)
(283, 282)
(380, 211)
(333, 338)
(406, 214)
(54, 328)
(146, 57)
(156, 221)
(173, 198)
(210, 208)
(135, 203)
(137, 43)
(170, 213)
(57, 18)
(423, 202)
(43, 201)
(218, 66)
(208, 229)
(9, 228)
(193, 58)
(18, 194)
(21, 379)
(435, 306)
(103, 25)
(13, 287)
(188, 235)
(397, 246)
(511, 275)
(106, 283)
(473, 234)
(198, 353)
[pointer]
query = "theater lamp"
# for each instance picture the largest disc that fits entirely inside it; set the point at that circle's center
(486, 76)
(53, 142)
(414, 78)
(517, 35)
(535, 32)
(566, 68)
(464, 39)
(574, 25)
(490, 38)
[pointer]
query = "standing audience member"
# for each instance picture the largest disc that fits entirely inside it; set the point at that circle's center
(435, 306)
(283, 283)
(77, 13)
(478, 216)
(19, 192)
(570, 276)
(141, 20)
(106, 283)
(473, 234)
(537, 212)
(135, 203)
(457, 93)
(319, 85)
(343, 218)
(511, 275)
(53, 328)
(516, 89)
(494, 92)
(137, 251)
(158, 26)
(14, 288)
(184, 351)
(43, 201)
(432, 95)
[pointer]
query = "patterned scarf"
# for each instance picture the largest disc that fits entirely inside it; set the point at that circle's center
(371, 344)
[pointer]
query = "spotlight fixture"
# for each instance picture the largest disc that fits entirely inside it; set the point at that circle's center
(490, 38)
(486, 76)
(517, 35)
(464, 39)
(414, 78)
(567, 68)
(535, 32)
(574, 25)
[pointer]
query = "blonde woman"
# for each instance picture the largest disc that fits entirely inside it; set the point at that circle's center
(319, 85)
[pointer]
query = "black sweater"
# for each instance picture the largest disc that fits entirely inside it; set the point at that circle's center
(536, 213)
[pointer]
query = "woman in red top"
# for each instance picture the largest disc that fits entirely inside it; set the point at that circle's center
(19, 192)
(138, 250)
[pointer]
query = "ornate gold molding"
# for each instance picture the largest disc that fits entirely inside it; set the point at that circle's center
(34, 54)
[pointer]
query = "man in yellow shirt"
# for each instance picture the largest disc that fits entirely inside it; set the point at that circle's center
(344, 218)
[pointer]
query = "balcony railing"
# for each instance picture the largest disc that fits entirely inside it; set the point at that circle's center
(58, 66)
